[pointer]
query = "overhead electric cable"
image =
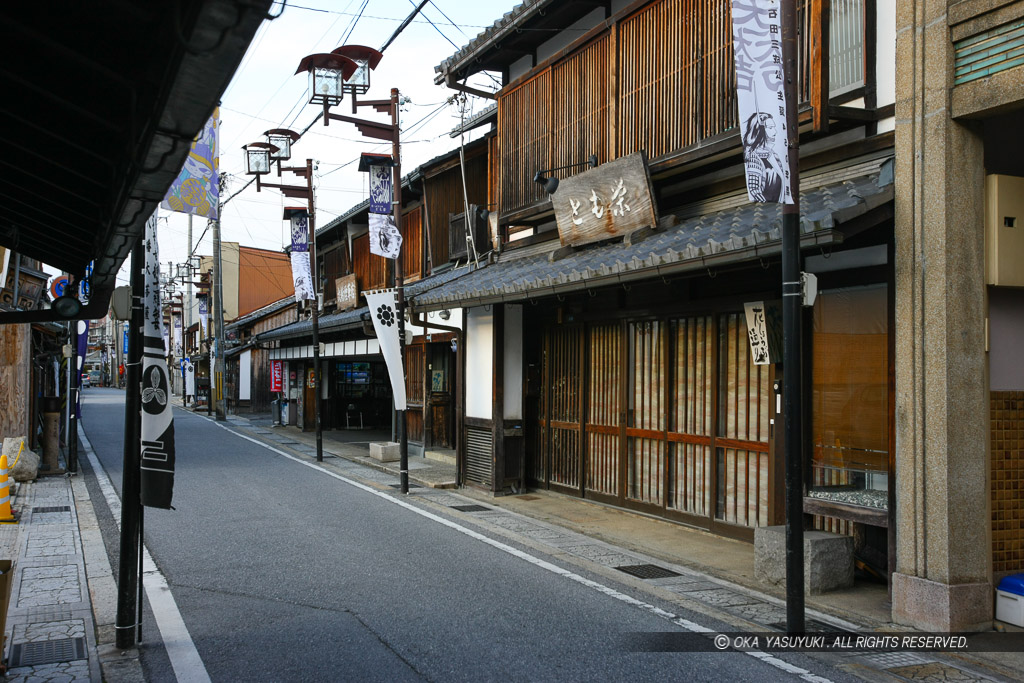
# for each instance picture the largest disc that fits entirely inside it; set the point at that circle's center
(402, 26)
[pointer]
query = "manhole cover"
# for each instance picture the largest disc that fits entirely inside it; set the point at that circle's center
(469, 508)
(53, 508)
(398, 486)
(47, 652)
(528, 497)
(647, 571)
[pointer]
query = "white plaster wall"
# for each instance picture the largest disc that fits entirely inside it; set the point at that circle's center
(479, 362)
(244, 376)
(520, 67)
(562, 39)
(885, 53)
(513, 369)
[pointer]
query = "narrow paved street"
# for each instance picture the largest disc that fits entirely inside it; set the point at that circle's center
(286, 571)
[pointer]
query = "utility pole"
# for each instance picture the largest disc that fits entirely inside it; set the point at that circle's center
(316, 313)
(403, 434)
(188, 302)
(792, 312)
(131, 507)
(216, 391)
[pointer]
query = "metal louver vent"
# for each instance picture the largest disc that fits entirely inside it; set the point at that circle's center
(479, 456)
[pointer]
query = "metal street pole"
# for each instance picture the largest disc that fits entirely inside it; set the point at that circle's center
(188, 304)
(403, 433)
(130, 478)
(316, 314)
(216, 393)
(792, 302)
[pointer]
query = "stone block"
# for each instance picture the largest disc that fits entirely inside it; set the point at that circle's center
(27, 467)
(828, 559)
(385, 451)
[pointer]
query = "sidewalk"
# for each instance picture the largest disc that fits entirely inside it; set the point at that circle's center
(715, 574)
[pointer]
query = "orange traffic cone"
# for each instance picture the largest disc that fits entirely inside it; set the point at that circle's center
(6, 514)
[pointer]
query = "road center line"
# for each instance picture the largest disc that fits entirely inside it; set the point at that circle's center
(185, 660)
(691, 626)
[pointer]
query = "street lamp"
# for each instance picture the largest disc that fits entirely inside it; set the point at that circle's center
(282, 138)
(257, 157)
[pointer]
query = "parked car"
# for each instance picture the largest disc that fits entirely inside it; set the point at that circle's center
(86, 380)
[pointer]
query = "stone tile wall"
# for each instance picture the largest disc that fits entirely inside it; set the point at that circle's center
(1007, 481)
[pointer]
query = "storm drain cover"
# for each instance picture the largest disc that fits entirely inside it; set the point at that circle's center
(647, 571)
(528, 497)
(47, 652)
(398, 486)
(53, 508)
(469, 508)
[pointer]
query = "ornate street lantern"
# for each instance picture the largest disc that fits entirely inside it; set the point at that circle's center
(367, 59)
(327, 75)
(282, 138)
(257, 157)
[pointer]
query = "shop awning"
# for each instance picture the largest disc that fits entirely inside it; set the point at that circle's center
(742, 232)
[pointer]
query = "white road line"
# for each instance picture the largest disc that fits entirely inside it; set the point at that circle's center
(691, 626)
(185, 660)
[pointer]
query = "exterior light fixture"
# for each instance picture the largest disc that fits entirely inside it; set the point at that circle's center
(66, 306)
(282, 138)
(550, 183)
(257, 157)
(366, 59)
(327, 75)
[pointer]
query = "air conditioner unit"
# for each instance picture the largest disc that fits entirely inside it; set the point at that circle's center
(1004, 230)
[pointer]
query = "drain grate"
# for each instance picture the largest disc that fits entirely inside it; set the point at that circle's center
(53, 508)
(47, 652)
(647, 571)
(398, 486)
(469, 508)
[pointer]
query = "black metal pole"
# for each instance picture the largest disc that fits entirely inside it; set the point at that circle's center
(130, 480)
(403, 434)
(792, 301)
(316, 313)
(74, 382)
(138, 601)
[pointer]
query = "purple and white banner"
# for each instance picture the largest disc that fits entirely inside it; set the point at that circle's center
(301, 273)
(383, 305)
(385, 239)
(757, 47)
(195, 189)
(157, 432)
(81, 349)
(381, 189)
(177, 335)
(204, 313)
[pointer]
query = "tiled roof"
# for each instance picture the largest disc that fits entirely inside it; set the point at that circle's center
(743, 232)
(335, 322)
(506, 23)
(260, 312)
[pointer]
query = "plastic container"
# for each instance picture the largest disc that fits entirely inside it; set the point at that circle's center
(1010, 600)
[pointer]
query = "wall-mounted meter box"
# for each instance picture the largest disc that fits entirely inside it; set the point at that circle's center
(1004, 230)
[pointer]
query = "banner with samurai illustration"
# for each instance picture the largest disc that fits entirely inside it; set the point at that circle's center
(302, 275)
(757, 43)
(157, 454)
(195, 190)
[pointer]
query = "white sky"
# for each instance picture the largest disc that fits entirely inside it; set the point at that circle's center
(266, 93)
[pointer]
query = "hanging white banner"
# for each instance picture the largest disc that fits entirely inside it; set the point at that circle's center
(157, 430)
(384, 310)
(385, 239)
(301, 276)
(757, 48)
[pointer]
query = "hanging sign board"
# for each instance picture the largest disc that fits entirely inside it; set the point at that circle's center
(764, 331)
(276, 373)
(757, 48)
(608, 201)
(347, 292)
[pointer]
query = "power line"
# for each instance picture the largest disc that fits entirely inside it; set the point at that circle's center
(402, 26)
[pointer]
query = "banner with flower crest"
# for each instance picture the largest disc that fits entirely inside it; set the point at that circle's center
(383, 305)
(157, 453)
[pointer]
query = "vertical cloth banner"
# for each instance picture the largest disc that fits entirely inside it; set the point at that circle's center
(157, 460)
(276, 375)
(383, 305)
(301, 274)
(204, 313)
(760, 92)
(195, 189)
(380, 189)
(82, 348)
(177, 336)
(385, 239)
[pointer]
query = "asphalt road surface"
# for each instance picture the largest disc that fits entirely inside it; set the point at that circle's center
(283, 572)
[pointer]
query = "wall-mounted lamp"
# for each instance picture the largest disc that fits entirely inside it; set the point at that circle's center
(445, 314)
(550, 183)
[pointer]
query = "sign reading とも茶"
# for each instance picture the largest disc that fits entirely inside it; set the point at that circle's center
(608, 201)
